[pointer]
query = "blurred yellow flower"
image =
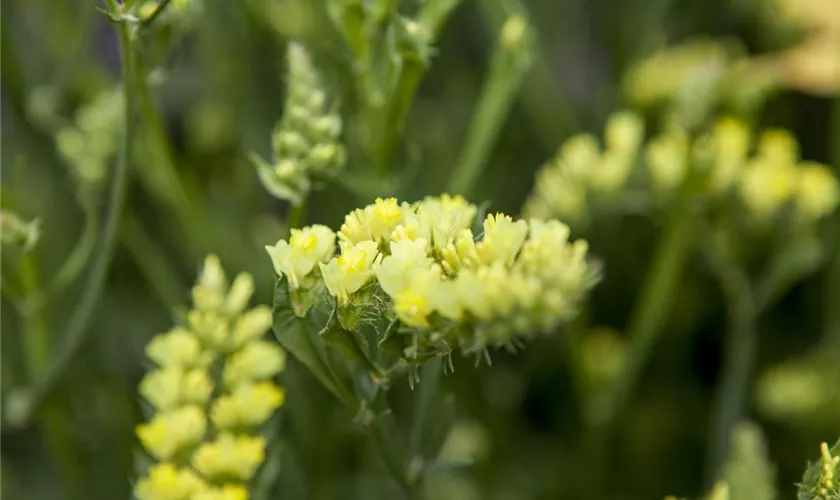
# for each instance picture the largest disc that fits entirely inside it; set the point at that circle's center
(173, 432)
(230, 456)
(167, 482)
(248, 405)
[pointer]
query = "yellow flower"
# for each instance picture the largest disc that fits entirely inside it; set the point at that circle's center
(624, 133)
(306, 247)
(386, 215)
(577, 156)
(169, 388)
(502, 240)
(249, 404)
(667, 159)
(226, 492)
(251, 325)
(778, 146)
(444, 217)
(732, 144)
(395, 270)
(256, 361)
(419, 299)
(172, 432)
(230, 456)
(347, 273)
(767, 185)
(179, 348)
(817, 192)
(208, 293)
(460, 253)
(167, 482)
(212, 327)
(356, 226)
(239, 294)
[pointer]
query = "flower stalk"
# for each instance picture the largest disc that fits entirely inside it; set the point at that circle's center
(78, 326)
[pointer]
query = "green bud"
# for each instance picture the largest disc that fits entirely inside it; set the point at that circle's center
(18, 233)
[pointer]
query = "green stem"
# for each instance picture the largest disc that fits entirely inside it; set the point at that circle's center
(429, 380)
(651, 311)
(296, 216)
(739, 356)
(149, 20)
(78, 259)
(162, 177)
(510, 62)
(36, 338)
(78, 326)
(37, 346)
(832, 321)
(396, 469)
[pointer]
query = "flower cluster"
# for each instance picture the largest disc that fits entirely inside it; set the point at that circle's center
(775, 177)
(765, 179)
(306, 141)
(822, 479)
(693, 80)
(90, 143)
(421, 265)
(582, 170)
(218, 365)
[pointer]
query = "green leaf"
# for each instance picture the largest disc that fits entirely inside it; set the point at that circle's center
(349, 343)
(296, 335)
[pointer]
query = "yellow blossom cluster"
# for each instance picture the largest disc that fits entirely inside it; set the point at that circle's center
(582, 169)
(765, 178)
(438, 279)
(775, 177)
(821, 480)
(217, 365)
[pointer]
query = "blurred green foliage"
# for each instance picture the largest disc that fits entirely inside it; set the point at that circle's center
(217, 82)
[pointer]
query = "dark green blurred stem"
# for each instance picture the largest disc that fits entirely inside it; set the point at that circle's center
(151, 261)
(78, 326)
(511, 60)
(13, 84)
(36, 338)
(832, 320)
(429, 379)
(739, 354)
(37, 346)
(78, 259)
(296, 216)
(651, 311)
(384, 445)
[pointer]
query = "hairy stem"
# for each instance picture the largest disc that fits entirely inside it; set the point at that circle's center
(78, 326)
